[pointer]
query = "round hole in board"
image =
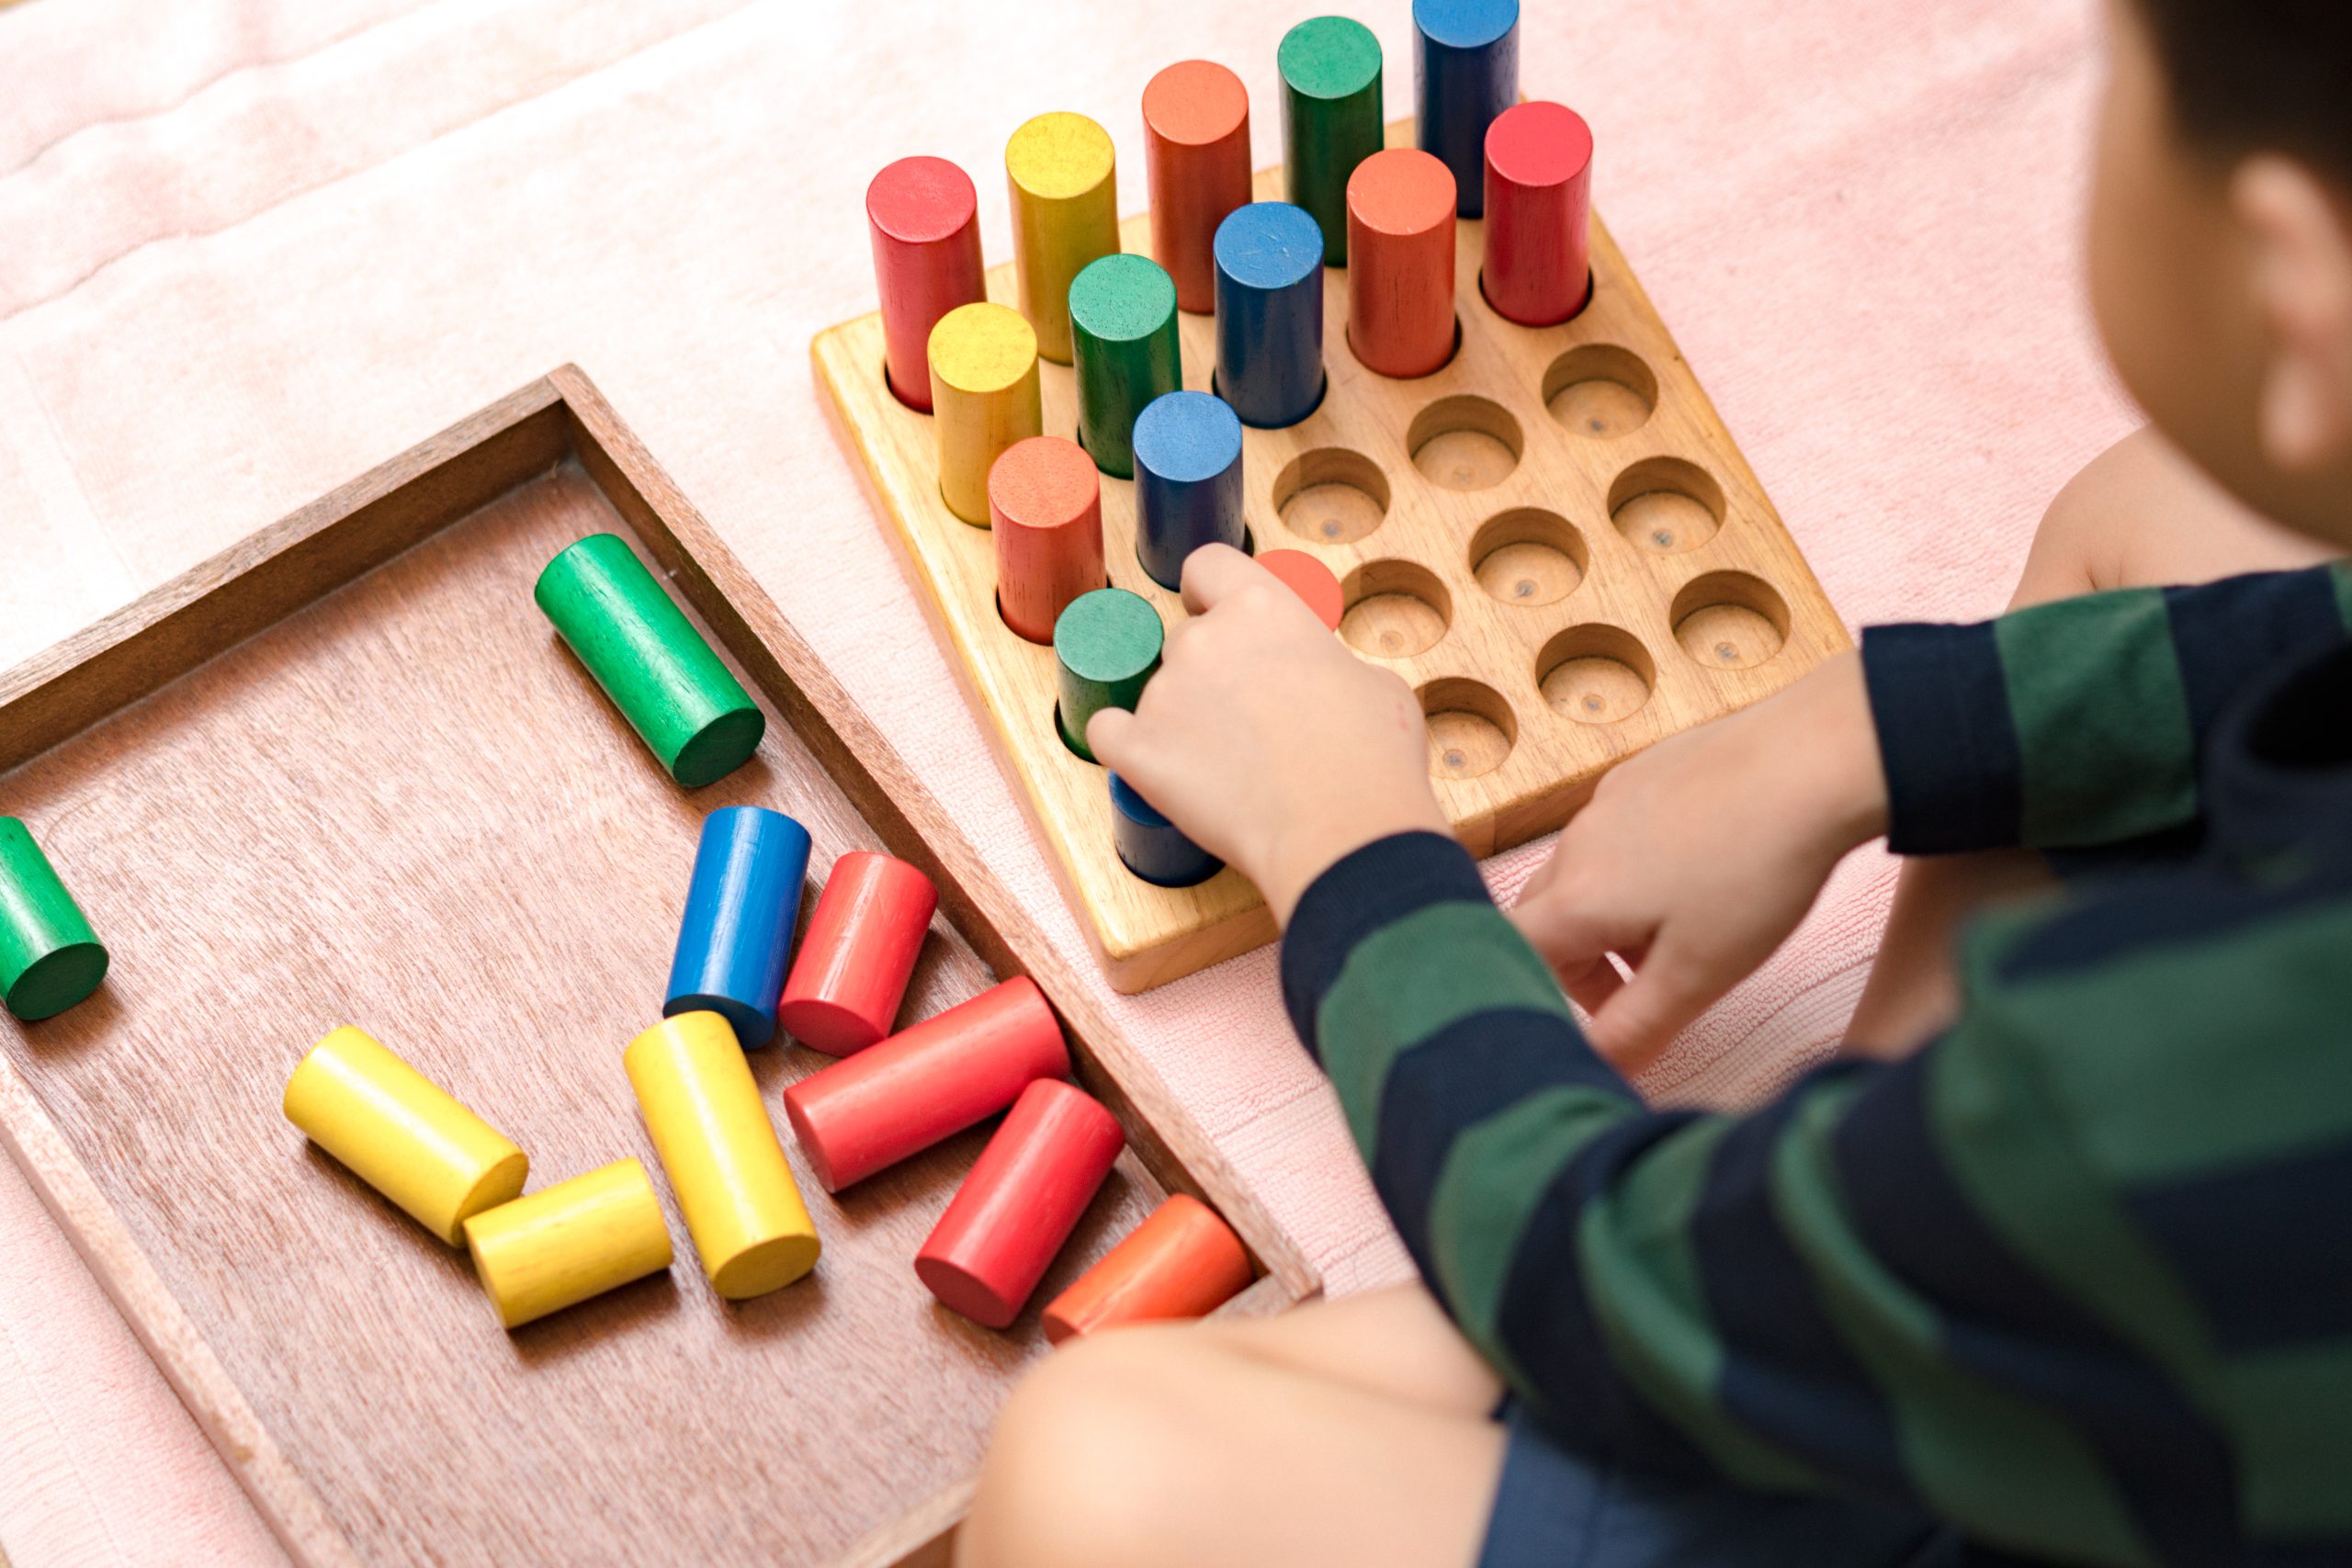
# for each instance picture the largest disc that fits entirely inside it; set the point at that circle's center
(1395, 609)
(1595, 674)
(1664, 506)
(1471, 728)
(1332, 495)
(1728, 620)
(1529, 557)
(1601, 390)
(1465, 442)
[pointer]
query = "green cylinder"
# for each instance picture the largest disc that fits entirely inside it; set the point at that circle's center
(49, 958)
(1123, 333)
(1331, 71)
(688, 706)
(1106, 645)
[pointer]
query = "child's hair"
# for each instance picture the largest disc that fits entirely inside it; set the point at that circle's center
(2260, 75)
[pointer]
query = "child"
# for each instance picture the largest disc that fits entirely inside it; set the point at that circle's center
(2073, 1282)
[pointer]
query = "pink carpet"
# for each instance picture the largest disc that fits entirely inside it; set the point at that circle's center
(248, 250)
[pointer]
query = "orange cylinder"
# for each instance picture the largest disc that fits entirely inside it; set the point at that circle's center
(1400, 263)
(1182, 1262)
(1196, 159)
(1046, 517)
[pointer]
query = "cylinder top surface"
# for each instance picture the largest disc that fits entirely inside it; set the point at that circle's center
(1464, 24)
(1059, 155)
(1188, 436)
(985, 348)
(1539, 144)
(921, 200)
(1401, 190)
(1108, 635)
(1310, 580)
(1043, 483)
(1270, 244)
(1195, 102)
(1122, 298)
(1329, 57)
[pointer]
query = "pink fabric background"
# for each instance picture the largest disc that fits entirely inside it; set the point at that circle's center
(249, 249)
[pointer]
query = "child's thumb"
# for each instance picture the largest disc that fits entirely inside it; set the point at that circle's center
(1634, 1028)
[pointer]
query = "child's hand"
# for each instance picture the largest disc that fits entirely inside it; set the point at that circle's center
(1696, 858)
(1263, 738)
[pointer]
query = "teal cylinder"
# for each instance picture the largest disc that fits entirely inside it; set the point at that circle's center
(49, 959)
(1106, 645)
(692, 713)
(1330, 71)
(1123, 340)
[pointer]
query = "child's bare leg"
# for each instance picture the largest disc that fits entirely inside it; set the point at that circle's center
(2138, 516)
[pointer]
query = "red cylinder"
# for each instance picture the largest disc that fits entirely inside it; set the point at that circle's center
(1401, 262)
(1197, 160)
(844, 989)
(1538, 268)
(1182, 1262)
(1019, 1203)
(1310, 580)
(1045, 513)
(924, 220)
(925, 1083)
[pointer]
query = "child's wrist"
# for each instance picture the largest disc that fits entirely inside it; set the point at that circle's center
(1833, 740)
(1308, 848)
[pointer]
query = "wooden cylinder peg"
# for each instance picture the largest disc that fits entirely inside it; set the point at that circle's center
(1269, 314)
(1182, 1262)
(1465, 73)
(925, 1083)
(1538, 268)
(49, 959)
(859, 954)
(1152, 846)
(703, 1111)
(1064, 178)
(402, 1133)
(1311, 581)
(983, 398)
(676, 693)
(1400, 290)
(1045, 510)
(576, 1240)
(923, 218)
(1123, 333)
(1188, 482)
(737, 932)
(1025, 1195)
(1106, 645)
(1197, 162)
(1332, 119)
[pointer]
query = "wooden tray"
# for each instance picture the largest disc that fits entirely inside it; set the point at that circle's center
(402, 804)
(1564, 573)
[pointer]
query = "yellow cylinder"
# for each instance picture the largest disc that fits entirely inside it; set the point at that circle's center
(401, 1133)
(743, 1207)
(983, 398)
(1065, 180)
(577, 1239)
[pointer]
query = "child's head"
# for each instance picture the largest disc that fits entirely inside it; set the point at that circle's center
(2221, 242)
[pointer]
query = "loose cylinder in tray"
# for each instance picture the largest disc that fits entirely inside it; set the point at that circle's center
(925, 1083)
(720, 1152)
(1023, 1197)
(1465, 73)
(737, 932)
(1196, 161)
(1270, 313)
(1309, 577)
(1188, 482)
(577, 1240)
(1182, 1262)
(1063, 176)
(1106, 645)
(1538, 266)
(49, 959)
(923, 218)
(1046, 513)
(675, 692)
(1123, 333)
(1332, 118)
(1400, 288)
(859, 953)
(984, 399)
(1152, 846)
(402, 1133)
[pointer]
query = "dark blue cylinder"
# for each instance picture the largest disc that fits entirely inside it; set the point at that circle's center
(740, 908)
(1150, 846)
(1465, 71)
(1188, 481)
(1270, 313)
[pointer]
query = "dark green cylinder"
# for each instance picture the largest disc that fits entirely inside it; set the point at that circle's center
(1123, 337)
(1106, 645)
(694, 715)
(1331, 71)
(49, 958)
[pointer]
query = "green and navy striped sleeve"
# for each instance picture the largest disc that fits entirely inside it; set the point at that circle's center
(2081, 722)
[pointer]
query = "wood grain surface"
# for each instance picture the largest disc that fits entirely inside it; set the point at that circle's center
(380, 791)
(1553, 539)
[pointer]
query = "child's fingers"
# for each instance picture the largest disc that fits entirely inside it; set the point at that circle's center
(1214, 572)
(1634, 1028)
(1592, 988)
(1109, 735)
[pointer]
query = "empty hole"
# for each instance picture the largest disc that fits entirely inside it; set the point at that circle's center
(1332, 495)
(1471, 728)
(1601, 390)
(1395, 609)
(1664, 505)
(1728, 620)
(1465, 442)
(1529, 556)
(1595, 674)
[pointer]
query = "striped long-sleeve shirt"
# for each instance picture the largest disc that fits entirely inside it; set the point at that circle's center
(2076, 1277)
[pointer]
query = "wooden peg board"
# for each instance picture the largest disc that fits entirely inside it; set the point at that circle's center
(1553, 539)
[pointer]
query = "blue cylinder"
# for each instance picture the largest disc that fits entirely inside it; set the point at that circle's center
(1150, 846)
(1270, 313)
(1465, 71)
(1188, 482)
(740, 908)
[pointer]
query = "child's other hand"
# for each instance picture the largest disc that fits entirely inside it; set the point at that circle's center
(1696, 859)
(1263, 738)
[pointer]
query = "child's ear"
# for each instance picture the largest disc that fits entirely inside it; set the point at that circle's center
(2303, 282)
